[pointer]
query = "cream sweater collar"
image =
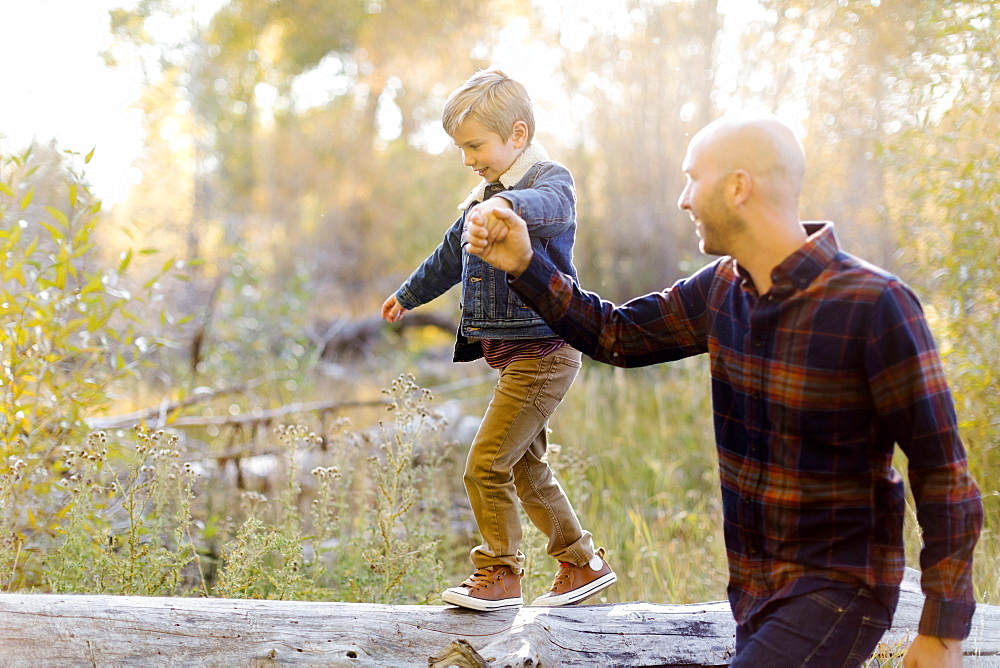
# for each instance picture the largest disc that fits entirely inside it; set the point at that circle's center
(532, 154)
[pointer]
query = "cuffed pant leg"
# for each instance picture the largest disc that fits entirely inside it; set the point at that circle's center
(500, 467)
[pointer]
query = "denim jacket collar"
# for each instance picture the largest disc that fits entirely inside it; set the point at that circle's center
(532, 154)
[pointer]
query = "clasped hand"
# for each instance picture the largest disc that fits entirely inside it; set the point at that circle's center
(500, 237)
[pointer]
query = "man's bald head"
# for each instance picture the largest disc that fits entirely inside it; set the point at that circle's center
(762, 145)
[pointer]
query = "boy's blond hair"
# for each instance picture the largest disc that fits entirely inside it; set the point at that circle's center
(493, 99)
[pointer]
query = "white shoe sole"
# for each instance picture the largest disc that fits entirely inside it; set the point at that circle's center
(577, 595)
(457, 596)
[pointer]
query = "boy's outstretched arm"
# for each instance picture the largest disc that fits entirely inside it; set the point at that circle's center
(391, 310)
(506, 246)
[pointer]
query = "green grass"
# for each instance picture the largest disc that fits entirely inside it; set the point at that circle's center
(633, 448)
(637, 457)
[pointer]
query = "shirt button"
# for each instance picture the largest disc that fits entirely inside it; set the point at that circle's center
(614, 354)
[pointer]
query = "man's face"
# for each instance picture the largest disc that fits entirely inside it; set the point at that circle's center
(704, 198)
(485, 151)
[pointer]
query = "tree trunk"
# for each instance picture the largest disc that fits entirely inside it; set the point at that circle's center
(52, 630)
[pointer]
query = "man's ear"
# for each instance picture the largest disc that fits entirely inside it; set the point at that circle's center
(519, 133)
(740, 186)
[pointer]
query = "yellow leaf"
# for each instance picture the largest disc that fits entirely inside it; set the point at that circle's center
(62, 263)
(26, 200)
(93, 285)
(82, 236)
(31, 247)
(53, 230)
(59, 216)
(126, 260)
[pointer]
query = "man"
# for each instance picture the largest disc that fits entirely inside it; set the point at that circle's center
(820, 365)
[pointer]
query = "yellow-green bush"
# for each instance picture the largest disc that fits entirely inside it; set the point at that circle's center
(69, 330)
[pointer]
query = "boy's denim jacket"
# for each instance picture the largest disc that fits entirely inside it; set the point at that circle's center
(542, 192)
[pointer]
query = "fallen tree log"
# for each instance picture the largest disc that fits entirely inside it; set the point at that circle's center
(51, 630)
(356, 338)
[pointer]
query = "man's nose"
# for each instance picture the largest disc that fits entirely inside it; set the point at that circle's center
(682, 202)
(467, 159)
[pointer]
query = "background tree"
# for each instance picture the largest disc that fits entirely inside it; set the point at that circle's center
(295, 162)
(649, 87)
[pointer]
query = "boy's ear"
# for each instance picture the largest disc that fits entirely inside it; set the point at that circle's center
(519, 134)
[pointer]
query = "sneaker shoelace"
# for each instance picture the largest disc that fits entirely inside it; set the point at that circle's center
(563, 574)
(479, 580)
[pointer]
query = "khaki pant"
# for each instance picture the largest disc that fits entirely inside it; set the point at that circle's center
(507, 462)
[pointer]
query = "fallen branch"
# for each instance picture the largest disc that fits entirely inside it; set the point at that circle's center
(258, 416)
(159, 414)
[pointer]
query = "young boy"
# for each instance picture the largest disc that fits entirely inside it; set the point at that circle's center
(491, 121)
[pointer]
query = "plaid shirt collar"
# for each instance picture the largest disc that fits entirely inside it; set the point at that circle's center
(803, 266)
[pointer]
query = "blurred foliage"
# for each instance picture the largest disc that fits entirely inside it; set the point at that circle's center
(295, 162)
(296, 136)
(71, 325)
(126, 527)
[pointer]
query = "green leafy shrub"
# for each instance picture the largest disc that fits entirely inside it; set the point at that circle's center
(70, 329)
(69, 326)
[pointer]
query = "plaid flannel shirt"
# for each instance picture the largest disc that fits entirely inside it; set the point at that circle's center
(813, 384)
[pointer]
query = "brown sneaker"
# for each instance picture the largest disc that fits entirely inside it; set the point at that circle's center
(575, 583)
(490, 588)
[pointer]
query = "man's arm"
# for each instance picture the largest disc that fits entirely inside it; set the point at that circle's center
(659, 327)
(914, 405)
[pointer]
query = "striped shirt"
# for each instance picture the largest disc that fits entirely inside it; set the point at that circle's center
(501, 352)
(813, 384)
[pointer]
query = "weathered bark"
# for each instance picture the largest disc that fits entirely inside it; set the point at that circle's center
(55, 630)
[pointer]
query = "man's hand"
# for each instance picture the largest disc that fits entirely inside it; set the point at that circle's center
(501, 239)
(495, 203)
(485, 211)
(933, 652)
(391, 310)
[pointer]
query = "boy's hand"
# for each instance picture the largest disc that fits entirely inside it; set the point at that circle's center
(506, 247)
(391, 310)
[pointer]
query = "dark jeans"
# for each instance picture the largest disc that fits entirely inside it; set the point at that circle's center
(836, 626)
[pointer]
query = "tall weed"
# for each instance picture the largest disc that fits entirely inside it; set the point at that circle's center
(127, 519)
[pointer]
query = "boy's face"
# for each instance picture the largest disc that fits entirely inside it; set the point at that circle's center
(485, 151)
